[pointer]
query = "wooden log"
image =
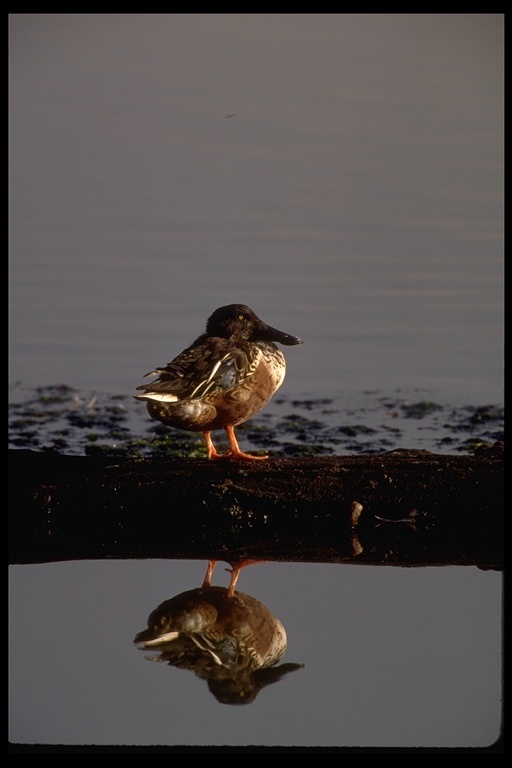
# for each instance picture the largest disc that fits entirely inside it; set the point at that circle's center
(406, 508)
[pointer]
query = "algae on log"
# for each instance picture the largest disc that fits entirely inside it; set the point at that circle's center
(403, 508)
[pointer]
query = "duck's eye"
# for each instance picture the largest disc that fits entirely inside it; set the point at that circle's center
(240, 317)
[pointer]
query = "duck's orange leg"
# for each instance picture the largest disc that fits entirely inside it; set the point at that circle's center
(235, 573)
(209, 572)
(212, 451)
(234, 450)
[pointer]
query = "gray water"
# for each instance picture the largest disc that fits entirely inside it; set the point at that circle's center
(343, 175)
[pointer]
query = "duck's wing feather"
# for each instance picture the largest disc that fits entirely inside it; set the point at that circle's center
(199, 370)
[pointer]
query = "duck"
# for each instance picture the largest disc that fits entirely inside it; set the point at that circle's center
(232, 643)
(226, 376)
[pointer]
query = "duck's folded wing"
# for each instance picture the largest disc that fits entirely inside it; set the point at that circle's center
(201, 370)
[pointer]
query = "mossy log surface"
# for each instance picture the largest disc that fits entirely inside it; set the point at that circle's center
(403, 508)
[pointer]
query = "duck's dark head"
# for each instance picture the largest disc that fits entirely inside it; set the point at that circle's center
(241, 323)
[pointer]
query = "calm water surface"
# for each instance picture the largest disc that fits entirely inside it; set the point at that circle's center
(409, 658)
(340, 173)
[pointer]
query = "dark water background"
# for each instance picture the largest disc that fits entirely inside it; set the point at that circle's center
(343, 175)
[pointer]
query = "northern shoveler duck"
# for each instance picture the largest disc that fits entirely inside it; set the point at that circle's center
(228, 374)
(232, 643)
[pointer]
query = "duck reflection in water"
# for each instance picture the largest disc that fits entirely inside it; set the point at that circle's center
(231, 640)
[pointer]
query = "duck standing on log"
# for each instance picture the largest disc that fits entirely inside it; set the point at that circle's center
(226, 376)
